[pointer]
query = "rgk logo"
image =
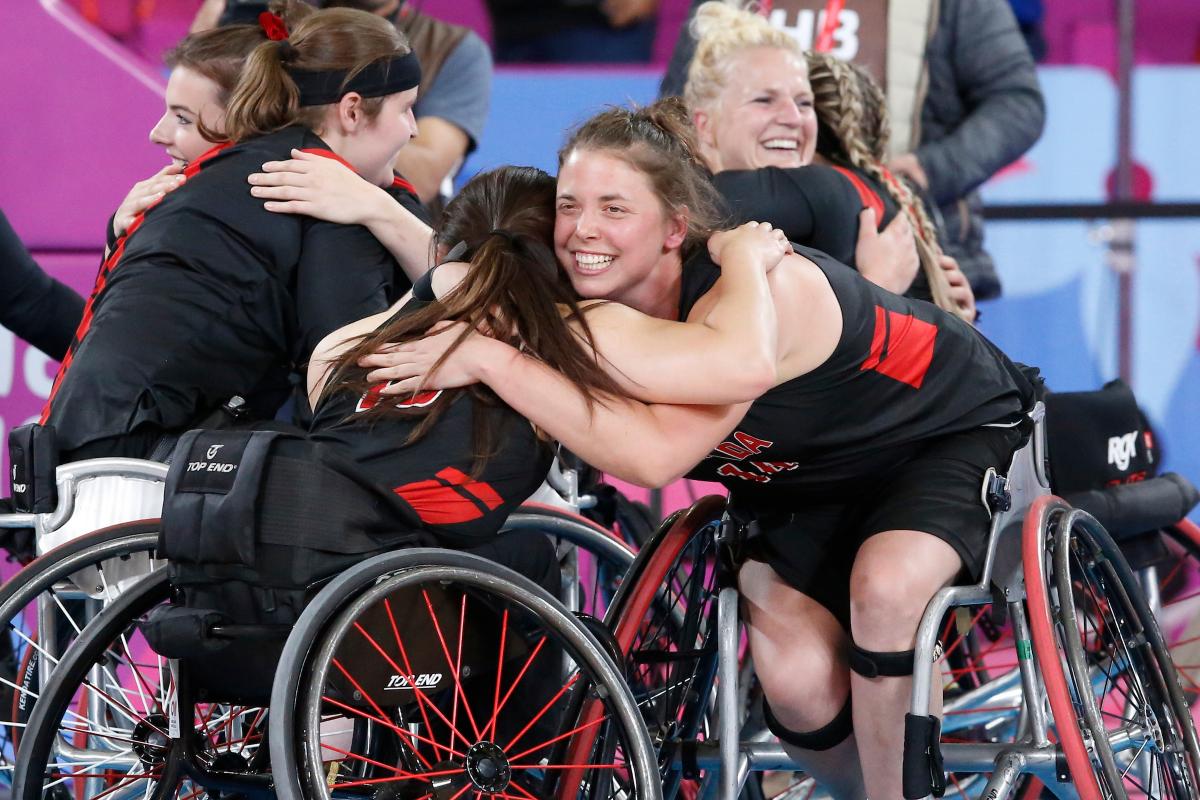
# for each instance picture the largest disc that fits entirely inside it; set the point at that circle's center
(1121, 449)
(426, 680)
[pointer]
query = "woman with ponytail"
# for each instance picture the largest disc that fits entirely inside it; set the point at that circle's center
(206, 295)
(861, 458)
(504, 278)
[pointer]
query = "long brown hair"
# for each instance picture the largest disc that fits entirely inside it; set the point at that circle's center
(505, 217)
(218, 54)
(853, 130)
(266, 98)
(659, 141)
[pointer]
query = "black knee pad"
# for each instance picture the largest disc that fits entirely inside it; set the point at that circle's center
(869, 664)
(823, 738)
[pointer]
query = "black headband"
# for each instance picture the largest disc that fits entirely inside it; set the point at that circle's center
(377, 79)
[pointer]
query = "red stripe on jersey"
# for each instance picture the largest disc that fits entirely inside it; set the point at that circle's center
(102, 277)
(480, 490)
(870, 199)
(400, 183)
(902, 347)
(438, 504)
(878, 340)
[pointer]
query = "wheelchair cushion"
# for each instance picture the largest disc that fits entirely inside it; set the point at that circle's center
(1098, 439)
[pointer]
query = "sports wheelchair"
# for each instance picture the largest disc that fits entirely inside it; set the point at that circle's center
(1086, 702)
(92, 576)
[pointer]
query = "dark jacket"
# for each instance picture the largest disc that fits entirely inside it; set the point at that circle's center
(984, 108)
(209, 295)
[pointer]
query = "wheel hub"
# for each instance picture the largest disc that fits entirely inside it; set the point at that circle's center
(488, 768)
(150, 741)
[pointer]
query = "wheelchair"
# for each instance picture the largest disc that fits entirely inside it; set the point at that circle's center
(48, 603)
(1086, 703)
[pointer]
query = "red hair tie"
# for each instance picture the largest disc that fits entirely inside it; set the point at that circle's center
(273, 26)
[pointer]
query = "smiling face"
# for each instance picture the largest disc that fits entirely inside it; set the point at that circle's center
(763, 116)
(612, 234)
(371, 145)
(190, 98)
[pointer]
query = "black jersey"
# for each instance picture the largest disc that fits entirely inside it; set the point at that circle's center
(209, 295)
(433, 477)
(904, 372)
(816, 206)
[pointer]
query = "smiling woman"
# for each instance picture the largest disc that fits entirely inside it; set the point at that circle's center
(204, 71)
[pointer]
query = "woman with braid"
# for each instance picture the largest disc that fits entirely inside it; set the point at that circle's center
(805, 156)
(852, 137)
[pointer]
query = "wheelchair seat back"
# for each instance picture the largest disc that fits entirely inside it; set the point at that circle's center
(254, 523)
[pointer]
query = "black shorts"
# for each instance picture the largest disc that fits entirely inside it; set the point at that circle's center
(937, 491)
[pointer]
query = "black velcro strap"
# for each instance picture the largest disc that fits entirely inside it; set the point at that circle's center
(896, 664)
(823, 738)
(924, 771)
(309, 502)
(33, 456)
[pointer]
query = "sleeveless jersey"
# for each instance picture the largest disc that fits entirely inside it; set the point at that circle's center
(433, 476)
(903, 373)
(209, 295)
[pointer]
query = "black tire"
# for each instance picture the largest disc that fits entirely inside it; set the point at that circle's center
(111, 699)
(36, 771)
(664, 619)
(303, 684)
(18, 614)
(1124, 686)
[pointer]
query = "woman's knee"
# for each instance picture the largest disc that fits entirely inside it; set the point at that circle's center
(799, 651)
(894, 577)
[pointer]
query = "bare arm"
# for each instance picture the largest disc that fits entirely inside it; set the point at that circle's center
(646, 444)
(428, 159)
(725, 353)
(320, 187)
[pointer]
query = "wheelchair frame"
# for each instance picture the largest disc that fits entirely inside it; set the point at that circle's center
(572, 532)
(1015, 550)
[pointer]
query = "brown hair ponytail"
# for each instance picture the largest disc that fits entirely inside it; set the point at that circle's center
(514, 285)
(854, 132)
(266, 98)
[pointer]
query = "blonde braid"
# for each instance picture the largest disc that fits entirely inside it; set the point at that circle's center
(850, 103)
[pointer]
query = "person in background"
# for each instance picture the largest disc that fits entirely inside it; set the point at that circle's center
(570, 31)
(964, 103)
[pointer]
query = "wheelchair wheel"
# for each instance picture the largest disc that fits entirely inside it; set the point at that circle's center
(1120, 685)
(106, 724)
(594, 561)
(430, 673)
(664, 620)
(1179, 594)
(102, 561)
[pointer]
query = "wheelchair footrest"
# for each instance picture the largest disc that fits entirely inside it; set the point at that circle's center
(924, 770)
